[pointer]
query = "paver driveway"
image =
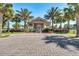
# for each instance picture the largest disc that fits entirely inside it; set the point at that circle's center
(32, 44)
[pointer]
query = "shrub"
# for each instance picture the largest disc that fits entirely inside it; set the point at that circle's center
(46, 30)
(61, 30)
(32, 30)
(16, 30)
(4, 31)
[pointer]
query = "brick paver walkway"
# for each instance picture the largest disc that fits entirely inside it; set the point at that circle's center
(32, 44)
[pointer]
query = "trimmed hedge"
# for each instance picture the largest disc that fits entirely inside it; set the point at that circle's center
(46, 30)
(32, 30)
(18, 30)
(61, 30)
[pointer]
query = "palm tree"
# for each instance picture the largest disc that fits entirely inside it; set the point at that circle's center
(68, 15)
(5, 13)
(75, 7)
(51, 14)
(25, 15)
(1, 16)
(8, 15)
(17, 20)
(59, 19)
(16, 26)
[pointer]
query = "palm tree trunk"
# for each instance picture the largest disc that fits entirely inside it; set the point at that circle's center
(1, 18)
(24, 25)
(2, 25)
(8, 28)
(60, 25)
(77, 27)
(52, 25)
(16, 25)
(68, 24)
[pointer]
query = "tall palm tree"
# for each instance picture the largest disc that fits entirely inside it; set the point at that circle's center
(8, 15)
(16, 26)
(68, 15)
(5, 13)
(59, 19)
(17, 20)
(75, 7)
(24, 14)
(1, 15)
(51, 14)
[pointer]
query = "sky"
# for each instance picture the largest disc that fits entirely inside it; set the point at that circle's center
(37, 9)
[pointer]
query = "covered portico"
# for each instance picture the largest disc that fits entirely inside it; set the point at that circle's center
(39, 24)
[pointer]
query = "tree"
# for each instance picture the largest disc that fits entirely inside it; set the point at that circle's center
(60, 19)
(68, 15)
(8, 15)
(16, 26)
(6, 12)
(51, 14)
(17, 20)
(75, 7)
(25, 15)
(0, 23)
(1, 16)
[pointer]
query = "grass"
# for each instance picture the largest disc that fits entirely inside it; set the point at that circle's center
(9, 33)
(71, 33)
(3, 36)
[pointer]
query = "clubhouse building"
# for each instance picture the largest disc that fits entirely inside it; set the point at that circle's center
(38, 24)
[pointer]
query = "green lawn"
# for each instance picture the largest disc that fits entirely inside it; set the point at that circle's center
(3, 35)
(9, 33)
(72, 33)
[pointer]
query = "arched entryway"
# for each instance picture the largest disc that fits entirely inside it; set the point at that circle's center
(39, 24)
(38, 27)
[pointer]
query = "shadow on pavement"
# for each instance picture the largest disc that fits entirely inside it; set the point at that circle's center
(62, 41)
